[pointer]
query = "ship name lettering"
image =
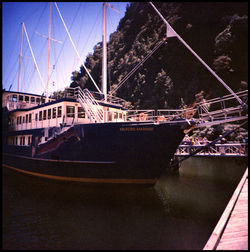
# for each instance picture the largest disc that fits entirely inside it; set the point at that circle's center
(137, 129)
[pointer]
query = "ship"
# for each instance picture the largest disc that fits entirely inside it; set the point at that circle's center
(89, 137)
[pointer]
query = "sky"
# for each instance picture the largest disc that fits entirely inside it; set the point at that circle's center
(84, 22)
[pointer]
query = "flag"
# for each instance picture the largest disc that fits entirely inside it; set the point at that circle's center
(170, 32)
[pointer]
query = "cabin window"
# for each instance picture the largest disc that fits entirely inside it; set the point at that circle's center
(27, 99)
(44, 114)
(32, 99)
(29, 138)
(120, 115)
(40, 115)
(115, 115)
(23, 140)
(70, 111)
(38, 100)
(14, 98)
(20, 98)
(17, 120)
(16, 140)
(43, 100)
(20, 141)
(109, 116)
(81, 112)
(49, 113)
(54, 113)
(59, 111)
(36, 117)
(23, 119)
(29, 118)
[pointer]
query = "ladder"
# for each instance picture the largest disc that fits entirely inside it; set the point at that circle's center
(90, 105)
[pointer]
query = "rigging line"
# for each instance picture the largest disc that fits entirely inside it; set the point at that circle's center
(38, 21)
(33, 55)
(108, 49)
(92, 29)
(81, 22)
(76, 50)
(10, 69)
(137, 66)
(63, 46)
(77, 11)
(197, 56)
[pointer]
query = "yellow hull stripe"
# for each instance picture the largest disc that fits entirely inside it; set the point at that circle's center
(87, 180)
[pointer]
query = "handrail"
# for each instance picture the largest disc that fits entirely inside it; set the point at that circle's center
(89, 104)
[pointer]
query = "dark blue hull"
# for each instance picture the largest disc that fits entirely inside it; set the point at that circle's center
(105, 153)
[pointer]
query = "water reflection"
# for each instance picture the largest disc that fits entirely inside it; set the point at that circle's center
(179, 212)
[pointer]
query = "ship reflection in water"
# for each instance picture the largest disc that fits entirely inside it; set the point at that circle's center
(179, 212)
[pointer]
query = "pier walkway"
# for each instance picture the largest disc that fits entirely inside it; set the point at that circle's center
(229, 149)
(231, 232)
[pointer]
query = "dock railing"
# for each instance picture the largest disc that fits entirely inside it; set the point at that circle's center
(228, 149)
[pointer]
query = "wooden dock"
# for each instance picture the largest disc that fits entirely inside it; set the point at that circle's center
(231, 232)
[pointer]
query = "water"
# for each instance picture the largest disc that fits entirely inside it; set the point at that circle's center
(179, 212)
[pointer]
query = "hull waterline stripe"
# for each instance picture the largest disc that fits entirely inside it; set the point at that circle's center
(87, 180)
(63, 161)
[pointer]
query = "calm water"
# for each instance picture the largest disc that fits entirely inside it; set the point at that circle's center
(179, 212)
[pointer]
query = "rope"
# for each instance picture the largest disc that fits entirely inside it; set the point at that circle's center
(76, 50)
(33, 55)
(196, 55)
(137, 66)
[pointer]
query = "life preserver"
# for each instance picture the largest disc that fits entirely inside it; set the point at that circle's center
(142, 117)
(161, 118)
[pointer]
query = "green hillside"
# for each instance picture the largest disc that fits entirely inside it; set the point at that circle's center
(173, 77)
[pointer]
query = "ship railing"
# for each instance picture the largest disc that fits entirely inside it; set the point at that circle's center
(71, 93)
(225, 106)
(228, 149)
(141, 115)
(110, 99)
(116, 100)
(176, 114)
(210, 112)
(89, 104)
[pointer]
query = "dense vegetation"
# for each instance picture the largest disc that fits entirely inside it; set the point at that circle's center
(173, 77)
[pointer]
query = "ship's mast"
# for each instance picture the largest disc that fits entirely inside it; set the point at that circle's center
(20, 59)
(104, 50)
(104, 56)
(47, 84)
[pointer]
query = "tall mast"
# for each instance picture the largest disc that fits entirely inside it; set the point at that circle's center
(20, 59)
(104, 56)
(47, 85)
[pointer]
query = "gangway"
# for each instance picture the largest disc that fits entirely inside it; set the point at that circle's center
(229, 149)
(210, 112)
